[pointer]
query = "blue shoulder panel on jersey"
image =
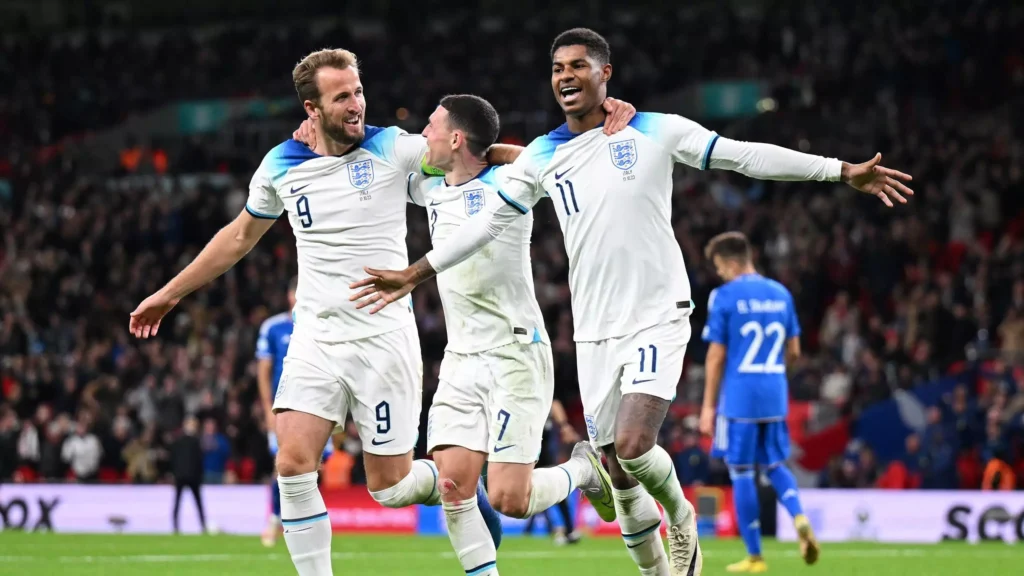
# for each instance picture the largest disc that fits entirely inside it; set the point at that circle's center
(542, 149)
(380, 141)
(489, 176)
(646, 123)
(285, 156)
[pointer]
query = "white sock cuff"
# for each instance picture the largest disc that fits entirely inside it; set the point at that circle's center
(292, 486)
(428, 470)
(395, 496)
(628, 494)
(459, 506)
(646, 461)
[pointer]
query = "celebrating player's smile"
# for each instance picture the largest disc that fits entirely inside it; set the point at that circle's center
(630, 292)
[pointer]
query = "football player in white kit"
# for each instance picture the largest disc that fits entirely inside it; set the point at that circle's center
(346, 203)
(630, 292)
(497, 379)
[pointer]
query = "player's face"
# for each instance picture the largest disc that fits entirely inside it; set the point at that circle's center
(440, 139)
(342, 106)
(291, 299)
(578, 81)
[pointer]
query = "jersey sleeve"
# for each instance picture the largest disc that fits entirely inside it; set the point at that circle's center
(715, 327)
(263, 347)
(263, 201)
(518, 184)
(687, 141)
(416, 188)
(410, 150)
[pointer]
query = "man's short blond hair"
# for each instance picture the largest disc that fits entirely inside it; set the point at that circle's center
(304, 74)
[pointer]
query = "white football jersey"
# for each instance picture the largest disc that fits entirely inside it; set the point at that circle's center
(489, 299)
(346, 212)
(613, 197)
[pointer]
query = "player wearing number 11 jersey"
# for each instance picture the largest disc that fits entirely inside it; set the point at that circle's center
(630, 292)
(753, 333)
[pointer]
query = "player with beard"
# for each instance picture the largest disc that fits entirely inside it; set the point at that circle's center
(346, 203)
(630, 291)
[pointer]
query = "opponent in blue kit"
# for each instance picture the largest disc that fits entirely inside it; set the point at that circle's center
(752, 333)
(271, 349)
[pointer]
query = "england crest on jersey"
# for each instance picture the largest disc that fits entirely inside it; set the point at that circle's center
(623, 154)
(474, 201)
(360, 174)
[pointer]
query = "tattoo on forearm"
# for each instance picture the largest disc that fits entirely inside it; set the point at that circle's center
(422, 270)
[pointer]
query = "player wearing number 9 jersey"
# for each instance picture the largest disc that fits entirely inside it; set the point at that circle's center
(346, 203)
(753, 333)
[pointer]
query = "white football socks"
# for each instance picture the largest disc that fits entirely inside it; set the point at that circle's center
(418, 487)
(307, 528)
(470, 538)
(552, 485)
(655, 472)
(640, 522)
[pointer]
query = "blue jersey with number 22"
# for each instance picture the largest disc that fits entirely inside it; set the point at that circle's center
(753, 317)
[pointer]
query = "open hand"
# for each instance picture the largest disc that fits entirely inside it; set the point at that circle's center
(382, 288)
(145, 320)
(872, 178)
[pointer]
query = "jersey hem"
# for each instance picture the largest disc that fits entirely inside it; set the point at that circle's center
(316, 335)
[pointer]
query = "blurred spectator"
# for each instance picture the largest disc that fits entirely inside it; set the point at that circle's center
(82, 451)
(692, 464)
(141, 457)
(8, 443)
(216, 452)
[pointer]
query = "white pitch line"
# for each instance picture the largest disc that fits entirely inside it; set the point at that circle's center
(986, 552)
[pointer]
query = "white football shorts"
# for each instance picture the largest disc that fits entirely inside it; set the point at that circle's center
(495, 402)
(647, 362)
(379, 380)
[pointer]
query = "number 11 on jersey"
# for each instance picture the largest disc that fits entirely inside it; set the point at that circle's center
(565, 201)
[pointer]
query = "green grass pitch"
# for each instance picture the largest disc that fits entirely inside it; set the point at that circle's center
(80, 555)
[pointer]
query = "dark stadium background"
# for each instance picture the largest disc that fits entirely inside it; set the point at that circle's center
(129, 130)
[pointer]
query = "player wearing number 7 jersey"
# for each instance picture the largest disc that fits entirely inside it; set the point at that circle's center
(630, 292)
(753, 333)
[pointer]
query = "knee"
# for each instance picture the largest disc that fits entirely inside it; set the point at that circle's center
(633, 446)
(510, 502)
(292, 462)
(455, 484)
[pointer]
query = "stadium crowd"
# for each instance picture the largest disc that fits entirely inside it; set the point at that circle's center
(888, 299)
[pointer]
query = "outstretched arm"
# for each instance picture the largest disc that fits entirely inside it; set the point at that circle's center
(226, 248)
(770, 162)
(695, 145)
(386, 286)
